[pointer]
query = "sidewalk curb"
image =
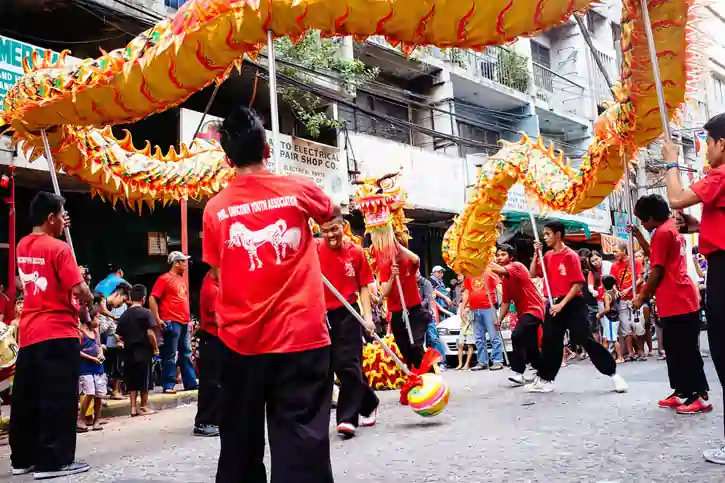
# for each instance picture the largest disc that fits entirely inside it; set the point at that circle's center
(115, 409)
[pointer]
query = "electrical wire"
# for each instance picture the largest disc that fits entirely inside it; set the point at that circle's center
(62, 42)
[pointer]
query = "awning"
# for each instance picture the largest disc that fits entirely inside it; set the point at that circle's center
(521, 220)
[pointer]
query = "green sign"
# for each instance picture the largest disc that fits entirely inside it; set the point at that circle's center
(12, 53)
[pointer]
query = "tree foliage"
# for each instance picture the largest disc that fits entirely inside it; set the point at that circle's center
(316, 54)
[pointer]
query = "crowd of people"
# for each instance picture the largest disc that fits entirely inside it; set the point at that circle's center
(269, 351)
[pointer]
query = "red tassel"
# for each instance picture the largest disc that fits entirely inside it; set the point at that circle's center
(430, 359)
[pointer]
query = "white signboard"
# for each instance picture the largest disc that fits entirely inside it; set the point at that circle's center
(322, 163)
(598, 218)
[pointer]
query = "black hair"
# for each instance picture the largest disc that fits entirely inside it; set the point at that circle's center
(505, 247)
(138, 293)
(19, 297)
(123, 288)
(601, 109)
(609, 282)
(715, 127)
(652, 206)
(595, 271)
(113, 267)
(45, 204)
(556, 226)
(243, 137)
(696, 249)
(98, 297)
(92, 313)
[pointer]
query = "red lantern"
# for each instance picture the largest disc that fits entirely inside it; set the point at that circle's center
(4, 181)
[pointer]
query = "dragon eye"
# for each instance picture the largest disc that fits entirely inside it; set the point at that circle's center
(387, 184)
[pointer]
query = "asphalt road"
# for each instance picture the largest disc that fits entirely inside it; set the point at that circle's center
(490, 432)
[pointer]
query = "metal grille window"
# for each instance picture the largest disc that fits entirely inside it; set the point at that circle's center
(718, 85)
(541, 56)
(174, 3)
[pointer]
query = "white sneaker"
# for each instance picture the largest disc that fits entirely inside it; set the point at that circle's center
(539, 385)
(620, 385)
(367, 421)
(335, 395)
(520, 379)
(346, 429)
(22, 471)
(716, 456)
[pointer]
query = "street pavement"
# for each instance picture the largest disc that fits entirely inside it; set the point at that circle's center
(490, 432)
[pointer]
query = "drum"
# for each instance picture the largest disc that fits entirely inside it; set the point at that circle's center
(8, 347)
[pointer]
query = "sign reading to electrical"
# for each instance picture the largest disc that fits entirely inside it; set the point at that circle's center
(320, 162)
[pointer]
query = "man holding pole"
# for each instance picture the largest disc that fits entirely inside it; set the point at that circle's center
(346, 267)
(45, 394)
(517, 287)
(275, 356)
(710, 191)
(567, 312)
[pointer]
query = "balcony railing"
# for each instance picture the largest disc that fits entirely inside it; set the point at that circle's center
(559, 92)
(601, 89)
(495, 63)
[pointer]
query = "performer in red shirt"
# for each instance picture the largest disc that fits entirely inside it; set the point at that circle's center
(569, 312)
(276, 356)
(517, 287)
(169, 302)
(710, 191)
(207, 409)
(45, 393)
(406, 265)
(677, 304)
(478, 293)
(346, 267)
(631, 322)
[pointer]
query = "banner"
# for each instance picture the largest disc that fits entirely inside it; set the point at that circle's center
(320, 162)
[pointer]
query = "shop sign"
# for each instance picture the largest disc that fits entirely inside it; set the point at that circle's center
(596, 218)
(320, 162)
(157, 244)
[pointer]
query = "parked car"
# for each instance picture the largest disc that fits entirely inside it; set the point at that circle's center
(449, 330)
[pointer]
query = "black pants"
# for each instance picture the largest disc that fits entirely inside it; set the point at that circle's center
(355, 396)
(419, 320)
(45, 405)
(207, 409)
(574, 318)
(525, 341)
(295, 390)
(684, 362)
(715, 308)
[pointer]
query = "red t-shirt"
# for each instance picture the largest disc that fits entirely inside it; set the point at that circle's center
(711, 190)
(207, 304)
(347, 269)
(563, 270)
(257, 232)
(408, 279)
(48, 272)
(517, 287)
(622, 271)
(477, 296)
(172, 297)
(676, 293)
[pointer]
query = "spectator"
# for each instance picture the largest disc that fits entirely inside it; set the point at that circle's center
(108, 323)
(466, 340)
(18, 314)
(478, 294)
(169, 302)
(92, 380)
(136, 330)
(432, 338)
(608, 316)
(207, 412)
(439, 288)
(45, 391)
(109, 284)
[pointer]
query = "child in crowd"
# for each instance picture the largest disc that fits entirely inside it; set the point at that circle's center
(136, 329)
(19, 298)
(609, 316)
(466, 340)
(92, 380)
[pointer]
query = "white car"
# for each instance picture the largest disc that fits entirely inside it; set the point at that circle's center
(450, 329)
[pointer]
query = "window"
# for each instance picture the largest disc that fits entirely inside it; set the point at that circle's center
(541, 56)
(481, 135)
(174, 3)
(718, 85)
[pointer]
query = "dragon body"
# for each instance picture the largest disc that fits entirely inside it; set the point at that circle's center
(200, 45)
(632, 121)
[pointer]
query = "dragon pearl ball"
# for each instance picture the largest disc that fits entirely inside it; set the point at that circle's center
(431, 397)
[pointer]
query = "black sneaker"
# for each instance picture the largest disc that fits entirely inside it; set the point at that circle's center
(206, 430)
(70, 469)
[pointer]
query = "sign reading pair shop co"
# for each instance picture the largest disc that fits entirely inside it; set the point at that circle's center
(320, 162)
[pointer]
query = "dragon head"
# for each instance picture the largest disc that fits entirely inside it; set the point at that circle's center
(381, 201)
